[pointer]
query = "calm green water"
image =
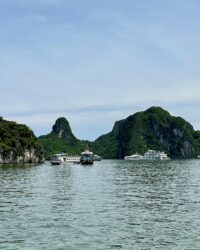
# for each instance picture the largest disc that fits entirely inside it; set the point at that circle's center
(110, 205)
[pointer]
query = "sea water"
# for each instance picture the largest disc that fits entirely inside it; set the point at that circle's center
(113, 204)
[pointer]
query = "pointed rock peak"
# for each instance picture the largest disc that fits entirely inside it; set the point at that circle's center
(63, 121)
(157, 110)
(61, 127)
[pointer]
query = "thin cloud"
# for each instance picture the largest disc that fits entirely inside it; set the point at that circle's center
(87, 60)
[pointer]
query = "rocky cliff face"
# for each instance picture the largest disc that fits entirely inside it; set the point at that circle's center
(154, 129)
(18, 144)
(25, 156)
(62, 130)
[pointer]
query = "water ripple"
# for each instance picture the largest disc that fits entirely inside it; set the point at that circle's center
(112, 205)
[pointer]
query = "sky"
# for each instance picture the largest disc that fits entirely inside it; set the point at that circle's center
(98, 61)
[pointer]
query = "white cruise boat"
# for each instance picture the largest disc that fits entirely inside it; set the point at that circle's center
(63, 158)
(155, 155)
(149, 155)
(134, 157)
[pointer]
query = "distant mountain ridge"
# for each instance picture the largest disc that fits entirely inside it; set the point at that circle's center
(154, 129)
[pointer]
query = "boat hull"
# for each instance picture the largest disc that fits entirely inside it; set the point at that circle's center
(55, 163)
(86, 162)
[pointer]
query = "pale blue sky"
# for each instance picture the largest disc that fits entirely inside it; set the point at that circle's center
(98, 61)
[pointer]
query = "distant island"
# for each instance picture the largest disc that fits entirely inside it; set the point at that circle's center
(18, 144)
(152, 129)
(61, 139)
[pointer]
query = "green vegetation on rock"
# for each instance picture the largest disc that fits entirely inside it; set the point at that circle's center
(196, 137)
(154, 129)
(61, 139)
(18, 143)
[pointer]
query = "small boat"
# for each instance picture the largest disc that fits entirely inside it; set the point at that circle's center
(134, 157)
(97, 158)
(63, 158)
(87, 157)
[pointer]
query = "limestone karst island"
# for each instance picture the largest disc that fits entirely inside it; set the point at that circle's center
(153, 129)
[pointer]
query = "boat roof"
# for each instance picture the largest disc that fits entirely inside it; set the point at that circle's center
(87, 152)
(60, 154)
